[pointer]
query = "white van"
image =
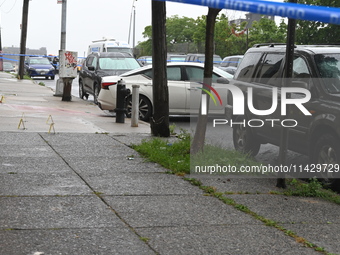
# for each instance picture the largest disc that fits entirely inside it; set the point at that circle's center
(109, 45)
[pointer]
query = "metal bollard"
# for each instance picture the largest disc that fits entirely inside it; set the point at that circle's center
(135, 106)
(122, 93)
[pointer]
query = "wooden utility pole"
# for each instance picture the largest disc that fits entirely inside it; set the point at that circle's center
(23, 39)
(160, 120)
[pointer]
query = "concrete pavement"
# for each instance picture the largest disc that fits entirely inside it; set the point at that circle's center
(83, 190)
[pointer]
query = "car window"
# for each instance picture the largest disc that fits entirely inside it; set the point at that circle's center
(39, 61)
(196, 74)
(329, 68)
(247, 67)
(300, 68)
(225, 63)
(269, 68)
(89, 61)
(94, 62)
(118, 63)
(234, 62)
(174, 73)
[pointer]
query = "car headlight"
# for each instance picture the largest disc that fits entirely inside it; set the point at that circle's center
(32, 69)
(51, 69)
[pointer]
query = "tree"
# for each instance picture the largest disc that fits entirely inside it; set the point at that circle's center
(159, 122)
(266, 31)
(314, 32)
(199, 137)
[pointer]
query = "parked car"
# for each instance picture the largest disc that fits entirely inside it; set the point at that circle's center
(183, 84)
(39, 67)
(171, 57)
(100, 64)
(145, 60)
(8, 67)
(200, 58)
(230, 63)
(317, 134)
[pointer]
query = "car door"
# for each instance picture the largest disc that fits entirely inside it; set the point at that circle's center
(194, 85)
(176, 87)
(265, 97)
(298, 135)
(177, 90)
(91, 63)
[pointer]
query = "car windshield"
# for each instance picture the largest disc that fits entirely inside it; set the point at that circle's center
(216, 59)
(118, 63)
(329, 69)
(8, 65)
(177, 59)
(39, 61)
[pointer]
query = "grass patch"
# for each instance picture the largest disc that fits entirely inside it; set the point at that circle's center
(313, 188)
(174, 156)
(177, 158)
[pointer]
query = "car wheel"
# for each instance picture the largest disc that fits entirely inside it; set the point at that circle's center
(145, 108)
(81, 90)
(327, 151)
(52, 77)
(244, 140)
(96, 91)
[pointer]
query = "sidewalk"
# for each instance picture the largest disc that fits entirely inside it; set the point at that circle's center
(83, 190)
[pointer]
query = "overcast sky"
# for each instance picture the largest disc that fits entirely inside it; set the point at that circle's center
(87, 20)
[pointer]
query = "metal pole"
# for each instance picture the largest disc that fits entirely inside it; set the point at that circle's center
(134, 27)
(23, 39)
(63, 26)
(135, 106)
(1, 60)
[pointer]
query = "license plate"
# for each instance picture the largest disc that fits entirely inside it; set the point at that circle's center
(42, 72)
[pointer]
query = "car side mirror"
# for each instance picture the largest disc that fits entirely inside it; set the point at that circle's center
(222, 80)
(91, 68)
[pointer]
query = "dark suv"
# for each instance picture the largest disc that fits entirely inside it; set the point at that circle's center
(315, 69)
(97, 65)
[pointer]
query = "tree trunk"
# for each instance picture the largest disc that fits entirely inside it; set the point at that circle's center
(159, 122)
(199, 137)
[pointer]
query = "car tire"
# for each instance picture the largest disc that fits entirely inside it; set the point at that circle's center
(327, 151)
(96, 90)
(145, 108)
(52, 78)
(244, 140)
(81, 89)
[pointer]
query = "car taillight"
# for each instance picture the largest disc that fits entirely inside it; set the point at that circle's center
(106, 85)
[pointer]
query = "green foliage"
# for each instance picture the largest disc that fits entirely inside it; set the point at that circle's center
(313, 188)
(192, 32)
(310, 32)
(174, 156)
(266, 31)
(215, 155)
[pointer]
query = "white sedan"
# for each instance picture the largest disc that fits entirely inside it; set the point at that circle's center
(184, 85)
